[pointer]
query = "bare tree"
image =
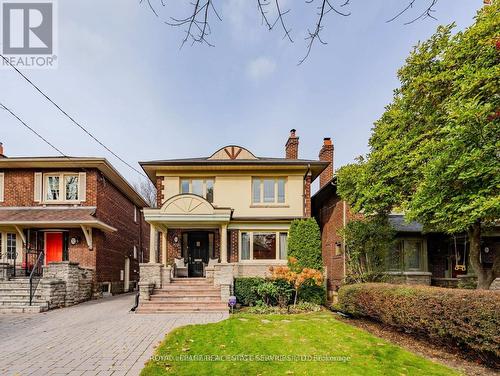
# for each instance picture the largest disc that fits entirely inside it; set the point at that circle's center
(147, 190)
(197, 22)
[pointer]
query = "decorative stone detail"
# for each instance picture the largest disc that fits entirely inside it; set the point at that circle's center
(5, 271)
(77, 282)
(223, 274)
(151, 273)
(145, 290)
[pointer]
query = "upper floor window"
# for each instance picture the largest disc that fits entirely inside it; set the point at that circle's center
(268, 190)
(200, 187)
(61, 187)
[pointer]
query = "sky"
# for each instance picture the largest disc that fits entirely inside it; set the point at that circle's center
(122, 74)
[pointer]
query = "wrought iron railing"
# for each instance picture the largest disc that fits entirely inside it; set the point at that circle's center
(35, 275)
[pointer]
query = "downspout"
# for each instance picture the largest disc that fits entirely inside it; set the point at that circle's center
(303, 192)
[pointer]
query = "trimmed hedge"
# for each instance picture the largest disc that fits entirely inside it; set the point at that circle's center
(304, 243)
(312, 294)
(467, 319)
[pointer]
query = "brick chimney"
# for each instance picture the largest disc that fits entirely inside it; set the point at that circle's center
(2, 155)
(326, 155)
(292, 146)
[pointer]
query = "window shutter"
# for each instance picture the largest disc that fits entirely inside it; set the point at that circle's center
(1, 186)
(38, 187)
(82, 186)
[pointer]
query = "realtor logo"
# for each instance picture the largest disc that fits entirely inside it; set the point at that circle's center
(28, 33)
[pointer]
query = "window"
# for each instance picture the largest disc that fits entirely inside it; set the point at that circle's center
(200, 187)
(11, 246)
(407, 255)
(62, 187)
(263, 246)
(245, 246)
(1, 186)
(283, 245)
(135, 214)
(413, 250)
(268, 190)
(135, 252)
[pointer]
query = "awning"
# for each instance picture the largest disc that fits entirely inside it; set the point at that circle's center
(60, 217)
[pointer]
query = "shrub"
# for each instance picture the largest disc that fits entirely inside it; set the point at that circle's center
(467, 319)
(267, 291)
(312, 294)
(245, 290)
(302, 307)
(304, 243)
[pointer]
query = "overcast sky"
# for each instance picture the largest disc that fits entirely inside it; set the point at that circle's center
(121, 74)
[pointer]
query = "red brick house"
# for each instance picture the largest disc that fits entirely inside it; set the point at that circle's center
(417, 258)
(69, 209)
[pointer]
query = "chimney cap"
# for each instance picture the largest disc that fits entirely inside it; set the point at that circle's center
(292, 132)
(327, 141)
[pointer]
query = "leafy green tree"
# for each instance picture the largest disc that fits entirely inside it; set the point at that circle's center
(434, 153)
(304, 243)
(368, 243)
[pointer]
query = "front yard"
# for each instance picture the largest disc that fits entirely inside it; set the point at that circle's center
(248, 344)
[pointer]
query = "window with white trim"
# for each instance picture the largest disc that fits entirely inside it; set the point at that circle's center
(263, 245)
(61, 187)
(199, 186)
(268, 190)
(11, 246)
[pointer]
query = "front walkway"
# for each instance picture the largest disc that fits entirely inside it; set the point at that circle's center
(100, 337)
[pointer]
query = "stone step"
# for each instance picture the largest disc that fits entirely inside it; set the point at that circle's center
(187, 292)
(181, 299)
(11, 296)
(23, 309)
(190, 281)
(21, 302)
(197, 289)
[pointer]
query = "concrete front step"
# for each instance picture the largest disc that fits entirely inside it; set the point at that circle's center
(21, 302)
(176, 309)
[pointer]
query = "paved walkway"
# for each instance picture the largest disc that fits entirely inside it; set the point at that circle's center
(100, 337)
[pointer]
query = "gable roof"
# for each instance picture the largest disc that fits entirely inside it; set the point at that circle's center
(102, 164)
(233, 156)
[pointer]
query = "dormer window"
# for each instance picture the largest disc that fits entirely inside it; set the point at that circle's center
(61, 187)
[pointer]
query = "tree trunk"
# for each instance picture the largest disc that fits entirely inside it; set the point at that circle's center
(484, 276)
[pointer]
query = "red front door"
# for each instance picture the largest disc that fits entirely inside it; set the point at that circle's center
(53, 246)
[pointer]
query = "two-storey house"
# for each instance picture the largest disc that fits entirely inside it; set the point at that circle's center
(228, 213)
(70, 210)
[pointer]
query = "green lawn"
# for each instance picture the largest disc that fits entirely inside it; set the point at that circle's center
(312, 334)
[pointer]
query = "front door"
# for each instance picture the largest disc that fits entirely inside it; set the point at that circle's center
(53, 247)
(197, 253)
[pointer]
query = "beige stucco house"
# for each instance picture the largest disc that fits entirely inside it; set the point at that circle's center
(226, 215)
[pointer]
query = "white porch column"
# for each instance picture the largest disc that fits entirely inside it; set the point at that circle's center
(164, 246)
(223, 243)
(152, 244)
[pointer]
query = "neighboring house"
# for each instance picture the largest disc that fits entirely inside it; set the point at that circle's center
(76, 210)
(417, 258)
(226, 215)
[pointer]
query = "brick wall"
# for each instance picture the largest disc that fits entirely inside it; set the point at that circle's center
(330, 218)
(233, 246)
(115, 209)
(159, 191)
(174, 249)
(19, 185)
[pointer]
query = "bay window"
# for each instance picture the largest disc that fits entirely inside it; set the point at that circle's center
(263, 245)
(199, 187)
(268, 190)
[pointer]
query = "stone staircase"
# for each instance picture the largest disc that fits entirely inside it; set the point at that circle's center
(15, 297)
(184, 295)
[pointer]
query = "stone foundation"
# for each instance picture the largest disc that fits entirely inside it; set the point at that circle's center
(410, 278)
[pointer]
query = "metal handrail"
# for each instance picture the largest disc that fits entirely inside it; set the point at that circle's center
(39, 260)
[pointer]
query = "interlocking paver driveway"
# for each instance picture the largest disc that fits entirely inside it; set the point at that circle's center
(100, 337)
